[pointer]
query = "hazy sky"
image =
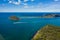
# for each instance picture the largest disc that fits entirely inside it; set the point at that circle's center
(29, 5)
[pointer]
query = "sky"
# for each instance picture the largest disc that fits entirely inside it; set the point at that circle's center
(29, 5)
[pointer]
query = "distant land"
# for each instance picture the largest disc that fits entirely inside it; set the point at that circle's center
(48, 32)
(50, 15)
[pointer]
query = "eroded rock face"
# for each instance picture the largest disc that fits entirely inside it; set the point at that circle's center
(48, 33)
(14, 18)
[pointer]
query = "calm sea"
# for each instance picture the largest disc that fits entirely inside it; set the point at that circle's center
(26, 27)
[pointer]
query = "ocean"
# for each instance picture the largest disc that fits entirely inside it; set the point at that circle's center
(26, 27)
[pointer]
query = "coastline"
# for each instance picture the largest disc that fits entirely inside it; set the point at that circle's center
(45, 29)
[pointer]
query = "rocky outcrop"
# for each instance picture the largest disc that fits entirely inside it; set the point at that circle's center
(48, 32)
(14, 18)
(50, 15)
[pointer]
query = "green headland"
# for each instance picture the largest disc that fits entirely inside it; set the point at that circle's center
(48, 32)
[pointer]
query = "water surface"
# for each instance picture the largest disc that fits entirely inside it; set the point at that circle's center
(27, 26)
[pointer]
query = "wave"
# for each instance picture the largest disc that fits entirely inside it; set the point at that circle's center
(19, 22)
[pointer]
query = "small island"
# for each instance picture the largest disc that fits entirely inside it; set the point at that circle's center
(14, 18)
(50, 15)
(48, 32)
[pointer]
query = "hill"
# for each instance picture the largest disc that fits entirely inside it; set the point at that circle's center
(48, 32)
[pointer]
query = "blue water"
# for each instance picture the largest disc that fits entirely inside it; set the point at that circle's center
(23, 31)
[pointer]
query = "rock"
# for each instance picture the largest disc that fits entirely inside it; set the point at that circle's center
(48, 32)
(50, 15)
(14, 18)
(57, 15)
(47, 16)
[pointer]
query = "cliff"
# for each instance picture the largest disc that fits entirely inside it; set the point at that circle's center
(48, 32)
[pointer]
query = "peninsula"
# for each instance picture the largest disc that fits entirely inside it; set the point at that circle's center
(48, 32)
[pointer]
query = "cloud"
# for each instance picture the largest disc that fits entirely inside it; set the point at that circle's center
(26, 6)
(10, 1)
(52, 7)
(32, 0)
(19, 0)
(56, 0)
(14, 2)
(26, 0)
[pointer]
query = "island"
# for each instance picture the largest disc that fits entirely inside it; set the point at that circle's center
(48, 32)
(50, 15)
(14, 18)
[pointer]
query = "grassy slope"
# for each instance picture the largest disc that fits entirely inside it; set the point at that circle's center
(48, 32)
